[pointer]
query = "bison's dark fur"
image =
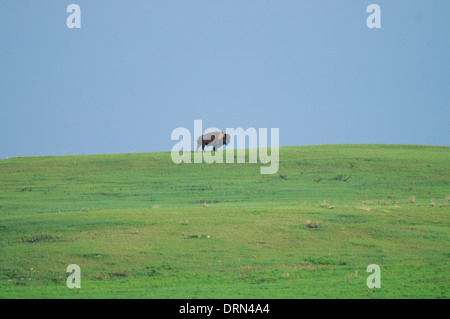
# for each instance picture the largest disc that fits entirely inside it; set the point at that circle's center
(214, 139)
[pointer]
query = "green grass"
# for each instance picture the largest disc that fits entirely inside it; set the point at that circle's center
(138, 227)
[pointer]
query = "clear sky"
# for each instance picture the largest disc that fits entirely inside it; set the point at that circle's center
(136, 70)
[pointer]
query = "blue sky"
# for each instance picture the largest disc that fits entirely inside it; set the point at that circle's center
(136, 70)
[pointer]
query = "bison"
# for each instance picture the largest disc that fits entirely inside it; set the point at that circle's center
(214, 139)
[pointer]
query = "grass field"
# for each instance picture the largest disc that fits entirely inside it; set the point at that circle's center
(140, 226)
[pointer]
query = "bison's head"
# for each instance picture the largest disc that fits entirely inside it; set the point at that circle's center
(226, 139)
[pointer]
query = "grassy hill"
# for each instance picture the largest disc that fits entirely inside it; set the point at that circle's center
(140, 226)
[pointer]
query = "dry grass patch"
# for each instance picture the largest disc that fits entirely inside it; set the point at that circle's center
(310, 224)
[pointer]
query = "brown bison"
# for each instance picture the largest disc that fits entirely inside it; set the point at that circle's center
(214, 139)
